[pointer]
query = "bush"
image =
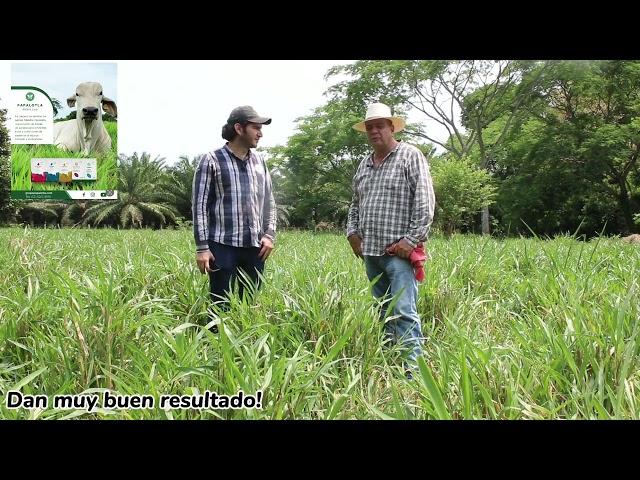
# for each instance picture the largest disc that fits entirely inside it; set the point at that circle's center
(462, 190)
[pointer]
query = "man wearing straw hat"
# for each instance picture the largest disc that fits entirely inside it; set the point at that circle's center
(392, 210)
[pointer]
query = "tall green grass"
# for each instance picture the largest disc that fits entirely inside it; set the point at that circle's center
(516, 329)
(107, 166)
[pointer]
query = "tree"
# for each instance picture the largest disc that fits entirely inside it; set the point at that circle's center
(282, 215)
(40, 214)
(313, 173)
(462, 190)
(141, 199)
(574, 161)
(462, 96)
(178, 183)
(74, 212)
(7, 208)
(57, 106)
(607, 103)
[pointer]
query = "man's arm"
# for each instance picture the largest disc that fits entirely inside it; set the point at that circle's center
(353, 234)
(199, 208)
(423, 200)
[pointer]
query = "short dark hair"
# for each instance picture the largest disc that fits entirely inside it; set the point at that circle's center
(229, 131)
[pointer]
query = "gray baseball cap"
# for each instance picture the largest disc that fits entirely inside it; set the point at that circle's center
(246, 114)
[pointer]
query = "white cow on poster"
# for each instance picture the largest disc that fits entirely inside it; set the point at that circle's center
(86, 133)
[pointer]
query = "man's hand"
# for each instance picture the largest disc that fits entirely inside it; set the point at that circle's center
(205, 259)
(356, 244)
(265, 250)
(403, 249)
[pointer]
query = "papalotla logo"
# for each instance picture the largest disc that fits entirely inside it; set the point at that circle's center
(30, 96)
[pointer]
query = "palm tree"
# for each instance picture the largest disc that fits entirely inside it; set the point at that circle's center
(142, 200)
(283, 212)
(40, 213)
(179, 184)
(74, 213)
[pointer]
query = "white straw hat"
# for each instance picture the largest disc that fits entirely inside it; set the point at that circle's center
(380, 110)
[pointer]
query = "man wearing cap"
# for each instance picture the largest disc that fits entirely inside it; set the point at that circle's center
(234, 212)
(393, 203)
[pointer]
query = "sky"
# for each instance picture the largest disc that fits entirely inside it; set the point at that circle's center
(60, 80)
(173, 108)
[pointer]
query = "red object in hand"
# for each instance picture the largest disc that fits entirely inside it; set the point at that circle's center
(417, 258)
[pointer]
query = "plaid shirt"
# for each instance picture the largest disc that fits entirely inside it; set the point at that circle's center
(232, 200)
(392, 201)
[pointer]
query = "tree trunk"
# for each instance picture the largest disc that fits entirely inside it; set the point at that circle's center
(485, 221)
(484, 163)
(626, 207)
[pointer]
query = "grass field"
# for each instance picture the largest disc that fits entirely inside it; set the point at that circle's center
(107, 165)
(517, 329)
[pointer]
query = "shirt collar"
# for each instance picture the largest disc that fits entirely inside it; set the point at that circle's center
(370, 157)
(245, 159)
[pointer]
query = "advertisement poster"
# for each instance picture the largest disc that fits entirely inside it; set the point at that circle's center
(64, 131)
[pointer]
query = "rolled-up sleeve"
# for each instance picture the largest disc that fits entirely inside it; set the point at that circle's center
(200, 200)
(423, 200)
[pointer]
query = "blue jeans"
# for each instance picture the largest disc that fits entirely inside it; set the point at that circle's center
(398, 278)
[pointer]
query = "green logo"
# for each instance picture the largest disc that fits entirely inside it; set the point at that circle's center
(30, 96)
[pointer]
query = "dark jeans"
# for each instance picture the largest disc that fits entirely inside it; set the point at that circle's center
(227, 265)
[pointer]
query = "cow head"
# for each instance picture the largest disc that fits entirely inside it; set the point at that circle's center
(88, 98)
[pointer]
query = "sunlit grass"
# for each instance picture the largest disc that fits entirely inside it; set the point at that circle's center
(107, 166)
(520, 328)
